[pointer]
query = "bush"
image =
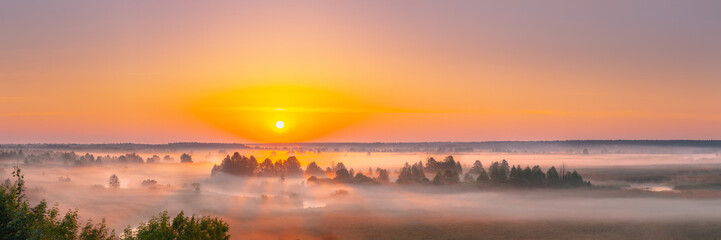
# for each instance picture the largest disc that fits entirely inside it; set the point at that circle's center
(20, 221)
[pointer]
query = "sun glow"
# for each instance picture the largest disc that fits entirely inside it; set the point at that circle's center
(247, 112)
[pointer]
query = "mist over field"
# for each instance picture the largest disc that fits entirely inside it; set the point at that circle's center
(372, 120)
(634, 195)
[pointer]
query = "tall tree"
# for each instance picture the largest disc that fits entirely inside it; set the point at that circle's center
(114, 181)
(552, 175)
(314, 170)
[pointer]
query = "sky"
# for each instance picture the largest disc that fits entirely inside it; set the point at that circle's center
(365, 71)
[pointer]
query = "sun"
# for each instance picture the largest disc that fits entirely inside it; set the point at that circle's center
(279, 124)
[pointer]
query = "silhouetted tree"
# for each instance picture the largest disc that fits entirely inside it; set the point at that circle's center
(553, 178)
(467, 178)
(339, 166)
(148, 183)
(514, 177)
(498, 172)
(266, 168)
(448, 164)
(412, 174)
(186, 158)
(362, 178)
(313, 179)
(477, 169)
(114, 181)
(538, 178)
(153, 159)
(342, 175)
(573, 179)
(383, 176)
(291, 167)
(240, 165)
(130, 158)
(452, 177)
(438, 179)
(313, 170)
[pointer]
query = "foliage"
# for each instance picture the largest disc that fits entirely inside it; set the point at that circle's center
(527, 177)
(499, 172)
(19, 221)
(114, 181)
(186, 158)
(181, 227)
(130, 158)
(447, 164)
(412, 174)
(314, 170)
(383, 176)
(153, 159)
(447, 177)
(149, 182)
(342, 175)
(240, 165)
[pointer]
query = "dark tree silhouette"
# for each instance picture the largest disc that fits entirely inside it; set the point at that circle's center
(362, 178)
(314, 170)
(499, 172)
(148, 183)
(383, 176)
(342, 175)
(412, 174)
(477, 169)
(114, 181)
(553, 178)
(467, 178)
(186, 158)
(153, 159)
(339, 166)
(267, 168)
(573, 179)
(291, 167)
(130, 158)
(238, 165)
(448, 164)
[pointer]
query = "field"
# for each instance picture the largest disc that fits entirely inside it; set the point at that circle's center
(634, 196)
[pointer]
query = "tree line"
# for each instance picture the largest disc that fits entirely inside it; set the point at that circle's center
(500, 173)
(447, 171)
(241, 165)
(19, 220)
(74, 159)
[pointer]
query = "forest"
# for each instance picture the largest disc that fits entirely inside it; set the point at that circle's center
(445, 172)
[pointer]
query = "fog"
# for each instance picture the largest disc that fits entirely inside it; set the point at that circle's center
(273, 208)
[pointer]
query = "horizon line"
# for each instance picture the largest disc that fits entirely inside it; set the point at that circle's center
(367, 142)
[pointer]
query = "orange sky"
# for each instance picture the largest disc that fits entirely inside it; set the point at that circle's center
(155, 72)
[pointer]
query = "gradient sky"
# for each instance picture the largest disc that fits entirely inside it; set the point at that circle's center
(224, 71)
